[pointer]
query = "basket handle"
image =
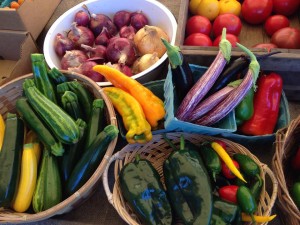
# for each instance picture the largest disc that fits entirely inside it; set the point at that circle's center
(105, 178)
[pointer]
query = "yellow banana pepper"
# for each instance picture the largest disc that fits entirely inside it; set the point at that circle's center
(258, 219)
(153, 106)
(2, 129)
(138, 128)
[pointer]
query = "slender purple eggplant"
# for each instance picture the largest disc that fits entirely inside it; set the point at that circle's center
(182, 75)
(203, 85)
(236, 96)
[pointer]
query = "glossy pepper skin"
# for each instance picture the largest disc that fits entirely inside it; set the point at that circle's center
(188, 186)
(245, 108)
(266, 106)
(246, 201)
(138, 128)
(141, 187)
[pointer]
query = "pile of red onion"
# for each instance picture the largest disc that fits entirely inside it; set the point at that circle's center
(97, 39)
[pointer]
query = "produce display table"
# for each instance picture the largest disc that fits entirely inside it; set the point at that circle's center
(97, 209)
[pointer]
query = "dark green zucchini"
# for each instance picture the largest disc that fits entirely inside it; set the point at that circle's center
(71, 105)
(91, 159)
(10, 158)
(56, 76)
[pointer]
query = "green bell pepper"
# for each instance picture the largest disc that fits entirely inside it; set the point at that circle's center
(142, 189)
(244, 110)
(188, 185)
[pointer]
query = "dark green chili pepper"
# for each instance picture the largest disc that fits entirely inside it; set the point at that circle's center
(256, 188)
(245, 108)
(188, 185)
(211, 159)
(246, 201)
(295, 192)
(247, 165)
(141, 187)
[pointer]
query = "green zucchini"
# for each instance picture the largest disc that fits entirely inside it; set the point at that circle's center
(96, 121)
(48, 191)
(71, 105)
(41, 78)
(36, 124)
(10, 158)
(60, 123)
(56, 76)
(73, 153)
(90, 159)
(84, 96)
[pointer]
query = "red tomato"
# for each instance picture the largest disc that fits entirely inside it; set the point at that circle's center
(231, 22)
(276, 22)
(226, 171)
(230, 37)
(198, 39)
(228, 193)
(285, 7)
(256, 11)
(287, 37)
(198, 24)
(267, 46)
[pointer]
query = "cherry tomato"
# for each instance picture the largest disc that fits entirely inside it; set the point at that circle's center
(226, 171)
(276, 22)
(256, 11)
(287, 37)
(285, 7)
(198, 24)
(198, 39)
(230, 37)
(228, 193)
(231, 22)
(267, 46)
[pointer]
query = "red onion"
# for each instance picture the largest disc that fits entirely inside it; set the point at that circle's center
(99, 21)
(97, 51)
(121, 50)
(127, 32)
(121, 18)
(123, 68)
(62, 44)
(138, 20)
(103, 37)
(73, 58)
(82, 18)
(81, 35)
(86, 69)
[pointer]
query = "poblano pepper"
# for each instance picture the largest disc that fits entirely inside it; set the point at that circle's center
(224, 212)
(141, 187)
(188, 185)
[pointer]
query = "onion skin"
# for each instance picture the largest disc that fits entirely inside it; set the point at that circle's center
(73, 58)
(103, 37)
(97, 51)
(99, 21)
(127, 32)
(122, 18)
(148, 40)
(81, 35)
(138, 20)
(144, 62)
(82, 18)
(62, 44)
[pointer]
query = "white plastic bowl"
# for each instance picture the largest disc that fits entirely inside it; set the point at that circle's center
(158, 15)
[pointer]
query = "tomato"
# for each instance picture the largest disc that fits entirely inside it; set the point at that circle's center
(267, 46)
(231, 22)
(256, 11)
(276, 22)
(198, 39)
(230, 6)
(287, 37)
(228, 193)
(230, 37)
(198, 24)
(285, 7)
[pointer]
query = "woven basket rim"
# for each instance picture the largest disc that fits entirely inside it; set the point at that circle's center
(9, 216)
(285, 138)
(129, 151)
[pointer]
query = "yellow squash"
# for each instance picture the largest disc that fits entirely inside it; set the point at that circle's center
(28, 178)
(31, 137)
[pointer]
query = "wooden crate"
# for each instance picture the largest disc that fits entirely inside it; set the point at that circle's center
(249, 36)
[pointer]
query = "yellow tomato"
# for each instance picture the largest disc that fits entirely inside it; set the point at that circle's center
(209, 8)
(193, 6)
(230, 6)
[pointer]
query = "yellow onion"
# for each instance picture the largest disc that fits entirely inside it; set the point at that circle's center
(144, 62)
(147, 40)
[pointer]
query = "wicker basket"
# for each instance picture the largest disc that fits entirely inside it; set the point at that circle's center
(9, 93)
(157, 151)
(287, 140)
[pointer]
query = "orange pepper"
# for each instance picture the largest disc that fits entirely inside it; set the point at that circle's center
(14, 5)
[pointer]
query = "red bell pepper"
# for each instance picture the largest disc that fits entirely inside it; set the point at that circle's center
(227, 172)
(266, 106)
(228, 193)
(296, 160)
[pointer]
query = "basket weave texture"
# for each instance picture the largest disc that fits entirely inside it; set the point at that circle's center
(157, 150)
(287, 140)
(9, 93)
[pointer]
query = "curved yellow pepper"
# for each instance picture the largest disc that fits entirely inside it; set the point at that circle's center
(2, 129)
(258, 219)
(138, 128)
(153, 106)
